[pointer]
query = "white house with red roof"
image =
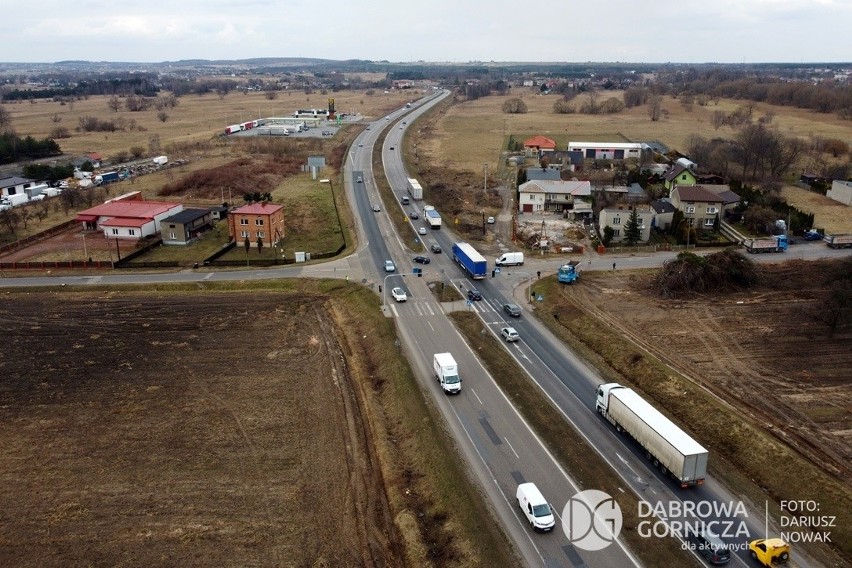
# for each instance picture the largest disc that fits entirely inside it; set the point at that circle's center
(128, 219)
(538, 145)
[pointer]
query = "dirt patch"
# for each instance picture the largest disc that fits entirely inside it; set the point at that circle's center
(761, 350)
(223, 430)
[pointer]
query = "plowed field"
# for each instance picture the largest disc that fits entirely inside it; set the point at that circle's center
(179, 430)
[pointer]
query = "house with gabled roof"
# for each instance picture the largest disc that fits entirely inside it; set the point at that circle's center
(541, 196)
(14, 185)
(128, 218)
(538, 145)
(616, 217)
(663, 211)
(729, 198)
(608, 150)
(258, 222)
(185, 226)
(700, 207)
(679, 175)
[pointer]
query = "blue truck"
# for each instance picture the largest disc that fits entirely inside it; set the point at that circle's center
(106, 177)
(777, 243)
(471, 261)
(567, 273)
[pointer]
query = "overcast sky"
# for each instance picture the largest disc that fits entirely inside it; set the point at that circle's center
(689, 31)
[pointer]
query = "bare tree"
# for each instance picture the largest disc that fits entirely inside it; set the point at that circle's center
(163, 116)
(114, 103)
(655, 107)
(5, 121)
(514, 106)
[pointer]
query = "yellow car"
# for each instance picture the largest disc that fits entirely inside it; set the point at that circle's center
(769, 551)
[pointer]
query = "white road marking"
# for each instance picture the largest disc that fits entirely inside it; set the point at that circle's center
(511, 448)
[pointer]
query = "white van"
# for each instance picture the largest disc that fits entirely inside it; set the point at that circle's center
(510, 259)
(536, 509)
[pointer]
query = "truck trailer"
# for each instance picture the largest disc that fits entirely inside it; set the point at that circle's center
(471, 261)
(15, 200)
(838, 241)
(778, 243)
(447, 372)
(107, 177)
(665, 444)
(233, 129)
(415, 189)
(160, 160)
(432, 217)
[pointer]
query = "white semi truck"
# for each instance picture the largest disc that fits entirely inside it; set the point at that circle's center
(447, 373)
(665, 444)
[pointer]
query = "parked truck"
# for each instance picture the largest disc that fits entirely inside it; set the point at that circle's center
(567, 273)
(838, 241)
(670, 448)
(432, 217)
(471, 261)
(778, 243)
(415, 189)
(107, 177)
(15, 200)
(447, 373)
(233, 129)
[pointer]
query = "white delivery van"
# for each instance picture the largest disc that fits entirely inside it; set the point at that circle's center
(447, 373)
(534, 506)
(510, 259)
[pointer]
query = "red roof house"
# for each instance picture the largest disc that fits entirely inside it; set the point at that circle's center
(538, 144)
(128, 219)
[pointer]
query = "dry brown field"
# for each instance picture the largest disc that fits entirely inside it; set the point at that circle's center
(162, 428)
(471, 134)
(194, 119)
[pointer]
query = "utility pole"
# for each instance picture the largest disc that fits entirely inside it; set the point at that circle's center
(485, 178)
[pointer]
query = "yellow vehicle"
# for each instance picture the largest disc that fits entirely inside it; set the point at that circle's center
(769, 551)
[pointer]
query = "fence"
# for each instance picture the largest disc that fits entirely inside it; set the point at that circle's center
(52, 265)
(41, 235)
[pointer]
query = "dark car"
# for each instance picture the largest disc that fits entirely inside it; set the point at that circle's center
(512, 309)
(436, 249)
(813, 235)
(422, 259)
(711, 547)
(413, 215)
(474, 295)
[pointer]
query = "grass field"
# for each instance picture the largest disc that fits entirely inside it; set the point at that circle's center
(195, 118)
(473, 133)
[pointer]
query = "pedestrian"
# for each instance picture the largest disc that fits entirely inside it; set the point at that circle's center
(613, 266)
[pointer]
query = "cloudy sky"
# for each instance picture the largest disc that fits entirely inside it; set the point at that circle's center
(689, 31)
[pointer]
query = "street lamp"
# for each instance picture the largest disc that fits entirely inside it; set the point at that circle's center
(336, 212)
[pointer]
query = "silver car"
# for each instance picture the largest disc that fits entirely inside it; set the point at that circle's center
(509, 334)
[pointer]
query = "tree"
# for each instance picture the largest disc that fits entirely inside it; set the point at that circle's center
(9, 218)
(514, 106)
(563, 107)
(632, 230)
(247, 244)
(259, 244)
(655, 107)
(137, 151)
(608, 234)
(5, 121)
(114, 103)
(271, 95)
(163, 116)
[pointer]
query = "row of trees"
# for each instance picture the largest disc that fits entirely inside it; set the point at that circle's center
(14, 148)
(143, 84)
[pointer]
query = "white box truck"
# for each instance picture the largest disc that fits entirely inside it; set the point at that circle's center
(447, 373)
(510, 259)
(665, 444)
(160, 160)
(15, 200)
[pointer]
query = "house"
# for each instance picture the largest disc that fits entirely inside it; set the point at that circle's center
(841, 191)
(185, 226)
(128, 218)
(729, 198)
(699, 206)
(679, 175)
(555, 196)
(258, 222)
(539, 174)
(218, 213)
(14, 185)
(608, 150)
(538, 145)
(616, 218)
(663, 211)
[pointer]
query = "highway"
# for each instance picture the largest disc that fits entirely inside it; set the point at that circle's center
(499, 446)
